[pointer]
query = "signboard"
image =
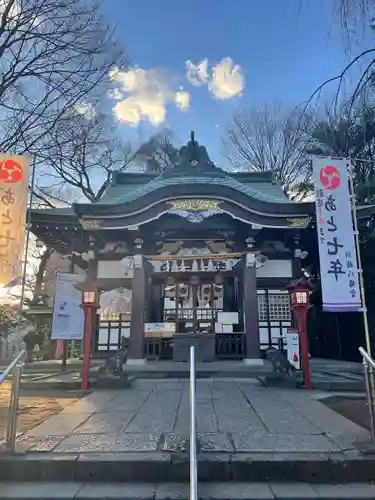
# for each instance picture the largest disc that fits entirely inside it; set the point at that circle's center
(68, 316)
(160, 327)
(14, 185)
(337, 252)
(292, 346)
(227, 318)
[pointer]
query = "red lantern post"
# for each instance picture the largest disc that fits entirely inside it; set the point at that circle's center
(90, 304)
(299, 292)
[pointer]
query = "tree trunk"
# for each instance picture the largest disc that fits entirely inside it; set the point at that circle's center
(40, 275)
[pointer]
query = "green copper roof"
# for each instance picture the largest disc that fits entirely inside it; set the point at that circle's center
(193, 167)
(122, 193)
(58, 211)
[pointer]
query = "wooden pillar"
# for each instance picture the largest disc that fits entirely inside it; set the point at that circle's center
(251, 322)
(136, 353)
(92, 273)
(296, 270)
(296, 261)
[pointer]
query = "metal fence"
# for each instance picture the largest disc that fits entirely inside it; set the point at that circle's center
(369, 369)
(15, 367)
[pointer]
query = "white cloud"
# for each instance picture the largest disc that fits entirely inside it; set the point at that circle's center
(144, 95)
(182, 100)
(197, 74)
(116, 94)
(225, 80)
(85, 109)
(14, 11)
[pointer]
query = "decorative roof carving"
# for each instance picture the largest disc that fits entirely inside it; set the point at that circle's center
(90, 223)
(299, 223)
(195, 205)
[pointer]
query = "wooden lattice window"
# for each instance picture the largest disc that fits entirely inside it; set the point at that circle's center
(279, 307)
(274, 307)
(262, 308)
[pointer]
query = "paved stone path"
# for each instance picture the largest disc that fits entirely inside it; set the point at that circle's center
(232, 416)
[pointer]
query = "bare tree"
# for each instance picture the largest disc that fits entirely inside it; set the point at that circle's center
(270, 138)
(158, 153)
(36, 266)
(53, 55)
(353, 16)
(79, 157)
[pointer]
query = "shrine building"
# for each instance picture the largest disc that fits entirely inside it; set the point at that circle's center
(200, 254)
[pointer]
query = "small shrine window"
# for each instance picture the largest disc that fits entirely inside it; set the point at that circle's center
(274, 307)
(115, 305)
(262, 308)
(279, 307)
(108, 315)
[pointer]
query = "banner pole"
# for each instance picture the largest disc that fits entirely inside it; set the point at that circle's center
(359, 260)
(361, 280)
(24, 270)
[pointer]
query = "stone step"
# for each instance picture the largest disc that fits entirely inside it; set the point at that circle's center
(152, 467)
(181, 370)
(180, 491)
(317, 383)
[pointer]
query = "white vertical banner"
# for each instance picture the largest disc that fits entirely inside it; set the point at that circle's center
(14, 185)
(337, 251)
(68, 316)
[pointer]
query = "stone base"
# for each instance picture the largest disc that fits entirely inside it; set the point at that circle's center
(253, 361)
(204, 347)
(366, 447)
(136, 362)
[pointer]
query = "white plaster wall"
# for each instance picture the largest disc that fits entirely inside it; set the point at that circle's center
(275, 269)
(114, 269)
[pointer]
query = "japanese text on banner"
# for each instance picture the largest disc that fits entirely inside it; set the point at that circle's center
(337, 253)
(14, 176)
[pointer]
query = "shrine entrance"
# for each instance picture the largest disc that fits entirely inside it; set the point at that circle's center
(190, 306)
(193, 307)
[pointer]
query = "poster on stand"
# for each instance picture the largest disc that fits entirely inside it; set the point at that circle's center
(337, 249)
(292, 343)
(68, 316)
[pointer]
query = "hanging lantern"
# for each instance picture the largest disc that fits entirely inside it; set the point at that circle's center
(218, 279)
(183, 291)
(194, 280)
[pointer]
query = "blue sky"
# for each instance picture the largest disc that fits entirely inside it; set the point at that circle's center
(282, 50)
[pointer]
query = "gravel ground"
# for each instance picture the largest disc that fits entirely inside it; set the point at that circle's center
(355, 409)
(34, 407)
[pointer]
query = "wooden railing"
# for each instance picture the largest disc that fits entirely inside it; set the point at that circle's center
(159, 348)
(228, 346)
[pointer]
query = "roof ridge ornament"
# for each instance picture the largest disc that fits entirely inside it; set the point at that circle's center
(196, 156)
(193, 154)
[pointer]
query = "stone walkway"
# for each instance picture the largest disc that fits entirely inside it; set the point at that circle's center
(232, 416)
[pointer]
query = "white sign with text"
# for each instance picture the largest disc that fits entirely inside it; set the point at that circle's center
(293, 354)
(68, 316)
